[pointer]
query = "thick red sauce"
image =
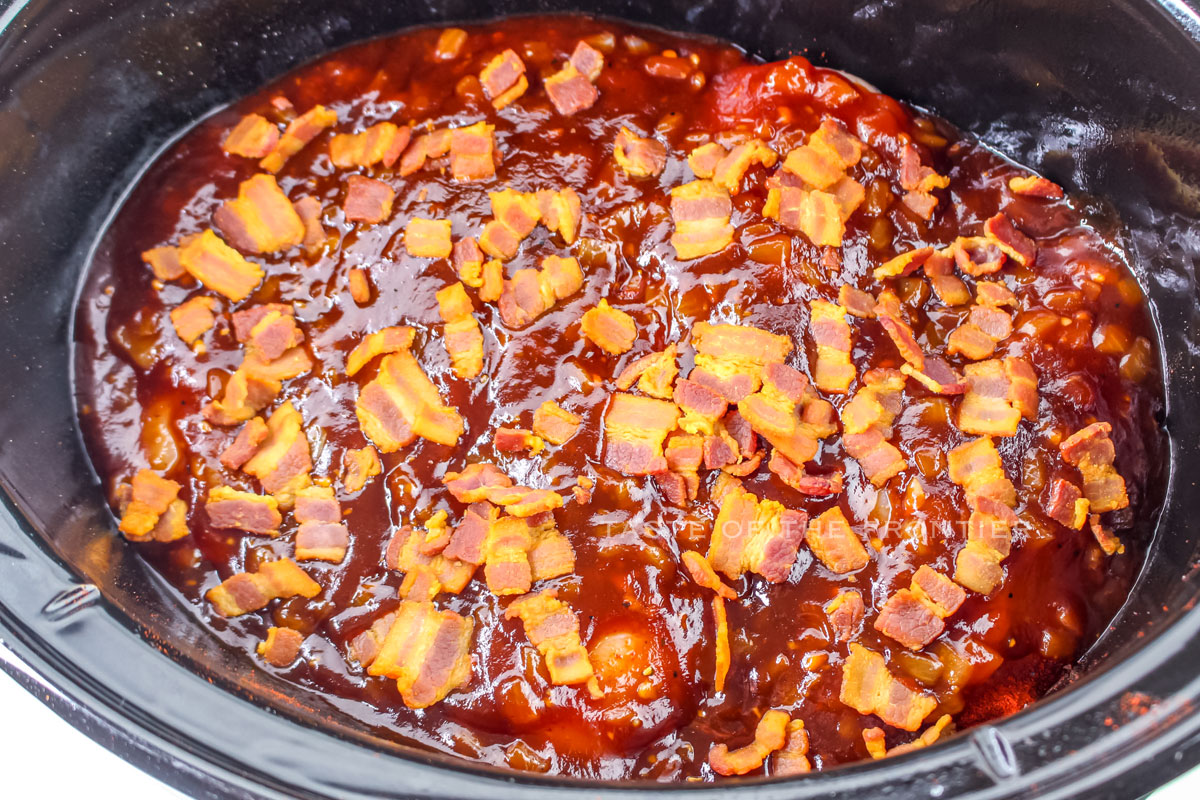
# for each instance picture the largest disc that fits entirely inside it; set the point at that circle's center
(1079, 321)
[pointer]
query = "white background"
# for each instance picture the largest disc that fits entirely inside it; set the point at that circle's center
(44, 758)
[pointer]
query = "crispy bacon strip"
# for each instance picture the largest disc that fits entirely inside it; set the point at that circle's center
(703, 160)
(950, 289)
(300, 131)
(553, 629)
(701, 211)
(1035, 186)
(887, 311)
(521, 501)
(638, 156)
(250, 591)
(272, 333)
(192, 318)
(358, 467)
(427, 652)
(504, 79)
(462, 334)
(428, 238)
(401, 403)
(367, 200)
(154, 512)
(845, 612)
(610, 329)
(834, 543)
(164, 262)
(219, 267)
(261, 219)
(1091, 451)
(283, 461)
(245, 511)
(770, 735)
(1109, 543)
(517, 440)
(867, 425)
(999, 393)
(396, 339)
(382, 143)
(281, 646)
(654, 374)
(253, 137)
(856, 302)
(551, 555)
(506, 556)
(938, 376)
(570, 91)
(731, 358)
(869, 688)
(994, 294)
(634, 431)
(554, 423)
(322, 535)
(903, 264)
(834, 371)
(919, 181)
(1016, 245)
(515, 215)
(469, 538)
(752, 535)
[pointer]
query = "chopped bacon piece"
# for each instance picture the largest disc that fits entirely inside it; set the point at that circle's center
(1035, 186)
(867, 425)
(903, 264)
(515, 214)
(427, 146)
(253, 137)
(365, 647)
(819, 215)
(281, 646)
(908, 620)
(506, 556)
(164, 262)
(154, 512)
(531, 293)
(521, 501)
(587, 60)
(274, 334)
(834, 543)
(401, 403)
(977, 255)
(449, 44)
(845, 612)
(247, 319)
(869, 688)
(309, 210)
(919, 181)
(926, 739)
(570, 90)
(469, 538)
(462, 334)
(976, 466)
(245, 511)
(684, 452)
(634, 431)
(382, 143)
(654, 374)
(561, 212)
(244, 394)
(492, 283)
(704, 159)
(721, 626)
(938, 591)
(610, 329)
(793, 758)
(823, 161)
(250, 591)
(794, 476)
(473, 152)
(427, 652)
(887, 311)
(702, 573)
(977, 567)
(245, 444)
(322, 535)
(938, 377)
(950, 289)
(770, 735)
(1091, 451)
(969, 341)
(920, 203)
(731, 358)
(219, 267)
(994, 294)
(729, 171)
(395, 339)
(193, 317)
(638, 156)
(1015, 244)
(554, 423)
(504, 79)
(367, 200)
(999, 393)
(553, 628)
(856, 302)
(358, 467)
(428, 238)
(516, 440)
(300, 131)
(283, 461)
(752, 535)
(834, 371)
(702, 407)
(551, 555)
(876, 742)
(427, 572)
(583, 490)
(467, 260)
(701, 211)
(1066, 504)
(475, 482)
(772, 413)
(1109, 543)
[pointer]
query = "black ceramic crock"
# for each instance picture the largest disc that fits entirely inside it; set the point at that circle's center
(1102, 95)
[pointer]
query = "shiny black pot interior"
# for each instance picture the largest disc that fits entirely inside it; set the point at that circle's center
(1104, 96)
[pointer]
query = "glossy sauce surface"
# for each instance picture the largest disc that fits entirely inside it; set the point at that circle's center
(141, 390)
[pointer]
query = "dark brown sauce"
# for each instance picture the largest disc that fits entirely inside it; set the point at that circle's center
(136, 380)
